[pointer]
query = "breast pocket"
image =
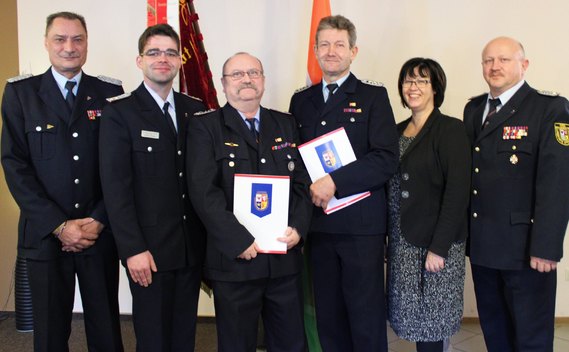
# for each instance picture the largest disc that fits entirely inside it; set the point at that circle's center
(515, 158)
(41, 139)
(287, 160)
(232, 160)
(148, 155)
(355, 125)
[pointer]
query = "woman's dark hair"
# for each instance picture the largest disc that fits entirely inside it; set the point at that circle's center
(427, 68)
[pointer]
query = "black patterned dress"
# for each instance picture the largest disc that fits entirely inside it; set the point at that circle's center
(422, 306)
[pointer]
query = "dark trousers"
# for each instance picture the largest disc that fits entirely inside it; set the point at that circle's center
(435, 346)
(516, 308)
(164, 314)
(52, 283)
(238, 306)
(349, 291)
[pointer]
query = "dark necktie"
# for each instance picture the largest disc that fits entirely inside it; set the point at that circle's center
(252, 129)
(169, 118)
(331, 88)
(493, 106)
(70, 97)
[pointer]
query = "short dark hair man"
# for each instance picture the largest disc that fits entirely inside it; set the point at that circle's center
(347, 246)
(51, 161)
(158, 235)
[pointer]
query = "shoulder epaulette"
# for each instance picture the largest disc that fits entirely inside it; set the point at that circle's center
(372, 83)
(118, 97)
(191, 96)
(199, 113)
(478, 96)
(111, 80)
(19, 78)
(301, 89)
(548, 93)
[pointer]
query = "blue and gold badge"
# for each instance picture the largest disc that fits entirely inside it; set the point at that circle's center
(562, 133)
(261, 195)
(328, 156)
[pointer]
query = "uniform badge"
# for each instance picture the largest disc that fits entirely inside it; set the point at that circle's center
(150, 134)
(93, 114)
(231, 144)
(514, 159)
(352, 104)
(514, 132)
(353, 110)
(328, 156)
(562, 133)
(50, 126)
(261, 196)
(283, 145)
(291, 166)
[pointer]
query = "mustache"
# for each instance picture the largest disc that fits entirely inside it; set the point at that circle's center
(70, 56)
(247, 85)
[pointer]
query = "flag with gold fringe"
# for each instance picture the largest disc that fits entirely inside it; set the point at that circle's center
(195, 75)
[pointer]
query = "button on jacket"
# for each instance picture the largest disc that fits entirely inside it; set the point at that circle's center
(435, 184)
(220, 146)
(519, 205)
(143, 177)
(363, 110)
(50, 159)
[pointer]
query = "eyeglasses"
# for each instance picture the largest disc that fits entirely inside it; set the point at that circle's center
(238, 75)
(155, 53)
(420, 83)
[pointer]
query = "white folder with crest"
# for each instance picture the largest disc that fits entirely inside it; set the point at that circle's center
(260, 203)
(325, 154)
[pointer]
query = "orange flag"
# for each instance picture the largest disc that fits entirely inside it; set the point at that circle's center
(320, 8)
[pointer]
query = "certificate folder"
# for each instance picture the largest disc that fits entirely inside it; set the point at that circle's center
(325, 154)
(260, 203)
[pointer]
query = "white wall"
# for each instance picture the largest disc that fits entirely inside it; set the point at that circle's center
(389, 32)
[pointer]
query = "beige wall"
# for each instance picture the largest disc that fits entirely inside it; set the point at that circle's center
(8, 209)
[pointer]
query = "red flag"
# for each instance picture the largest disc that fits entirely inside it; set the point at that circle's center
(320, 8)
(195, 75)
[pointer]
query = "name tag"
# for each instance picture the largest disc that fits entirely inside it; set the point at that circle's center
(149, 134)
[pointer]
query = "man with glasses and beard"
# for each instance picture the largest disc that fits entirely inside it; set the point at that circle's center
(245, 138)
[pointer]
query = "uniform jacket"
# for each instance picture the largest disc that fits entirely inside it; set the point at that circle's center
(519, 205)
(363, 110)
(219, 147)
(142, 172)
(435, 184)
(50, 159)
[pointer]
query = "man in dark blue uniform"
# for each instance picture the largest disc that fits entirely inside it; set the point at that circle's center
(519, 204)
(348, 245)
(245, 138)
(50, 158)
(158, 235)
